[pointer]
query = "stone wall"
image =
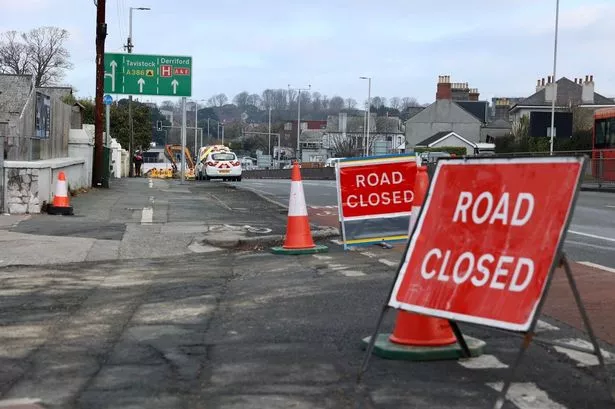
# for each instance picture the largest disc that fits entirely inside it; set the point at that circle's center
(22, 191)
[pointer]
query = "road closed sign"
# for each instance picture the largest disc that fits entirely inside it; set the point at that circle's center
(487, 239)
(375, 197)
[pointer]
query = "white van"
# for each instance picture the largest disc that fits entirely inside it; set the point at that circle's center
(222, 165)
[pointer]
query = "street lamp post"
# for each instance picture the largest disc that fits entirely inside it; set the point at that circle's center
(269, 152)
(129, 47)
(554, 78)
(298, 153)
(369, 107)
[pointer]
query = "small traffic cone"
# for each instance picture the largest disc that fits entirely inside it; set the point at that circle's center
(420, 337)
(61, 202)
(298, 239)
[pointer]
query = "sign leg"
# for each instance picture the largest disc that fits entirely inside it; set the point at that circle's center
(527, 339)
(460, 339)
(588, 326)
(372, 341)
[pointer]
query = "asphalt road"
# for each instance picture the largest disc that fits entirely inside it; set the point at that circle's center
(590, 239)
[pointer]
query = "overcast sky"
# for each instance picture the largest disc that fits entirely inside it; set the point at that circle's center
(499, 47)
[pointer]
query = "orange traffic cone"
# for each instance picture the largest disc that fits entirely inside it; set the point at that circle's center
(298, 239)
(61, 202)
(415, 329)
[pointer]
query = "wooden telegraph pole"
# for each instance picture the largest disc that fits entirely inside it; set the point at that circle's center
(101, 34)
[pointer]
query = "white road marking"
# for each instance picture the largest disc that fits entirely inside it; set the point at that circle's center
(593, 236)
(527, 396)
(483, 362)
(369, 254)
(598, 266)
(338, 242)
(151, 183)
(542, 326)
(338, 267)
(610, 207)
(595, 246)
(352, 273)
(147, 215)
(583, 359)
(321, 257)
(388, 262)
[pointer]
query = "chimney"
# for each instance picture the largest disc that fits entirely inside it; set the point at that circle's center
(587, 93)
(473, 95)
(550, 90)
(444, 90)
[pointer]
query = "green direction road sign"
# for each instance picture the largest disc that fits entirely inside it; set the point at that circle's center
(140, 74)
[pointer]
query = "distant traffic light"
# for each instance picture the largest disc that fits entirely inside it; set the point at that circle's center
(159, 125)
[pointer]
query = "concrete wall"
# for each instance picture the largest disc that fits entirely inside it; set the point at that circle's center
(81, 146)
(306, 174)
(443, 115)
(30, 183)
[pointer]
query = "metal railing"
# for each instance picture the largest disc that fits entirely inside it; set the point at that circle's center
(600, 171)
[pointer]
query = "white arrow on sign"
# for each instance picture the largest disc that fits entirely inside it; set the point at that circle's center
(141, 82)
(175, 84)
(113, 65)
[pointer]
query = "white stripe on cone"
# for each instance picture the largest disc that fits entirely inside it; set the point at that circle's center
(296, 205)
(61, 190)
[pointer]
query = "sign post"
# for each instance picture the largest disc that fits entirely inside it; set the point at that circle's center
(375, 197)
(486, 243)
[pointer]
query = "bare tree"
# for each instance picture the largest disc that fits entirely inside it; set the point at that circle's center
(13, 54)
(325, 102)
(267, 98)
(395, 102)
(241, 99)
(316, 101)
(379, 102)
(407, 102)
(39, 52)
(254, 99)
(344, 145)
(351, 103)
(336, 104)
(220, 99)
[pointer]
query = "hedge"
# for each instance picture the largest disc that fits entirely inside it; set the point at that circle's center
(457, 150)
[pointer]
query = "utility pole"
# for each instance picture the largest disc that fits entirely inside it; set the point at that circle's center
(298, 152)
(101, 34)
(369, 107)
(269, 130)
(129, 47)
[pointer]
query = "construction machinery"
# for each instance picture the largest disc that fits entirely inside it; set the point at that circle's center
(173, 153)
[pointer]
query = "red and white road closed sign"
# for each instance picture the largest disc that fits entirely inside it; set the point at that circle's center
(487, 239)
(377, 187)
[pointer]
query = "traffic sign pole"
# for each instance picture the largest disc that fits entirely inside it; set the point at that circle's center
(183, 164)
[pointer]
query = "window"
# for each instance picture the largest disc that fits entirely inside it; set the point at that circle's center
(605, 133)
(288, 126)
(223, 156)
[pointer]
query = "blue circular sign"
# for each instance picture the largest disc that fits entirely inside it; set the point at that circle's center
(107, 99)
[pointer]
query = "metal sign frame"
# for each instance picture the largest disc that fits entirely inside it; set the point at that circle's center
(559, 260)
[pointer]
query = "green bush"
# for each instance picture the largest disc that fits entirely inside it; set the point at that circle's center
(457, 150)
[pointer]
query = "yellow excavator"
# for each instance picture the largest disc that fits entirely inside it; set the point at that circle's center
(173, 153)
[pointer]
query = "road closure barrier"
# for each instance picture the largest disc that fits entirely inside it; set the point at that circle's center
(375, 198)
(483, 251)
